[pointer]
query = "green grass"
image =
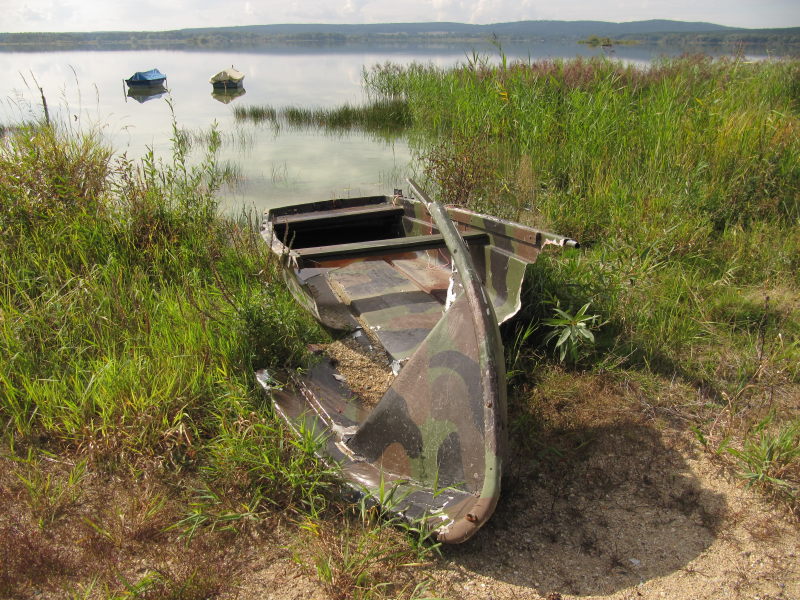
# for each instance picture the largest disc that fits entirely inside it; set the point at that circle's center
(680, 179)
(128, 307)
(132, 319)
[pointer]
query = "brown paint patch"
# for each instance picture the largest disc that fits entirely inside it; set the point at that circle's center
(395, 459)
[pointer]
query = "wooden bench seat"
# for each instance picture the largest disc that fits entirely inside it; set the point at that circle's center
(376, 247)
(336, 217)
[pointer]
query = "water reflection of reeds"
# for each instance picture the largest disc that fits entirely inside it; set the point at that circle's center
(387, 118)
(239, 138)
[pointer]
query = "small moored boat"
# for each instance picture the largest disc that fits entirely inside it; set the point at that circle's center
(144, 79)
(420, 290)
(227, 79)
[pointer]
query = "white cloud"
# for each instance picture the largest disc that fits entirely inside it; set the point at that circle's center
(44, 12)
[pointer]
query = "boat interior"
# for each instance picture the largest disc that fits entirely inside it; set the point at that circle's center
(372, 265)
(379, 268)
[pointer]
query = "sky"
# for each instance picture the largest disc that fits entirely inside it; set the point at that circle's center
(126, 15)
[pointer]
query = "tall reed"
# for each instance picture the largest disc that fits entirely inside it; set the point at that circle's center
(681, 157)
(610, 141)
(682, 181)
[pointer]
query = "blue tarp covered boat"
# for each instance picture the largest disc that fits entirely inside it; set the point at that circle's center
(151, 78)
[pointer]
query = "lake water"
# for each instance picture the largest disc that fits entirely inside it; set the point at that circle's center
(86, 89)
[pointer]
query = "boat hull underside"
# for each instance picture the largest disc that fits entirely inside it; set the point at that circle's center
(228, 84)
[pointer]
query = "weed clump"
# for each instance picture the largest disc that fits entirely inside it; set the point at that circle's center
(370, 555)
(770, 458)
(45, 176)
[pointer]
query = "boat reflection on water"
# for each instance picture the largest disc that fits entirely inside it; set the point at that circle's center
(145, 94)
(226, 96)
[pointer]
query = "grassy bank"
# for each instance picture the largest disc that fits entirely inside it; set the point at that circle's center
(132, 318)
(682, 181)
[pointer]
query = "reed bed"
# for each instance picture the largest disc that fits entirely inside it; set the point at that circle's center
(255, 114)
(693, 130)
(682, 181)
(385, 117)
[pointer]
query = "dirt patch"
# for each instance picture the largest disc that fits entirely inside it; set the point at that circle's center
(272, 573)
(705, 539)
(365, 367)
(116, 536)
(601, 499)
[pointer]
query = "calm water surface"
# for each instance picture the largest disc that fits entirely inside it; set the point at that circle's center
(277, 166)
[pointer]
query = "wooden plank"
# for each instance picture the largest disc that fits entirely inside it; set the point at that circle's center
(391, 306)
(338, 215)
(431, 276)
(375, 247)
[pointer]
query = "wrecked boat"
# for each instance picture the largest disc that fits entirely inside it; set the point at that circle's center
(421, 288)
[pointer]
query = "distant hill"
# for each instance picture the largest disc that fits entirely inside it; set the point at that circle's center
(575, 29)
(253, 36)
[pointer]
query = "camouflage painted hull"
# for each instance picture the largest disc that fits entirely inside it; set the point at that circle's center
(428, 285)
